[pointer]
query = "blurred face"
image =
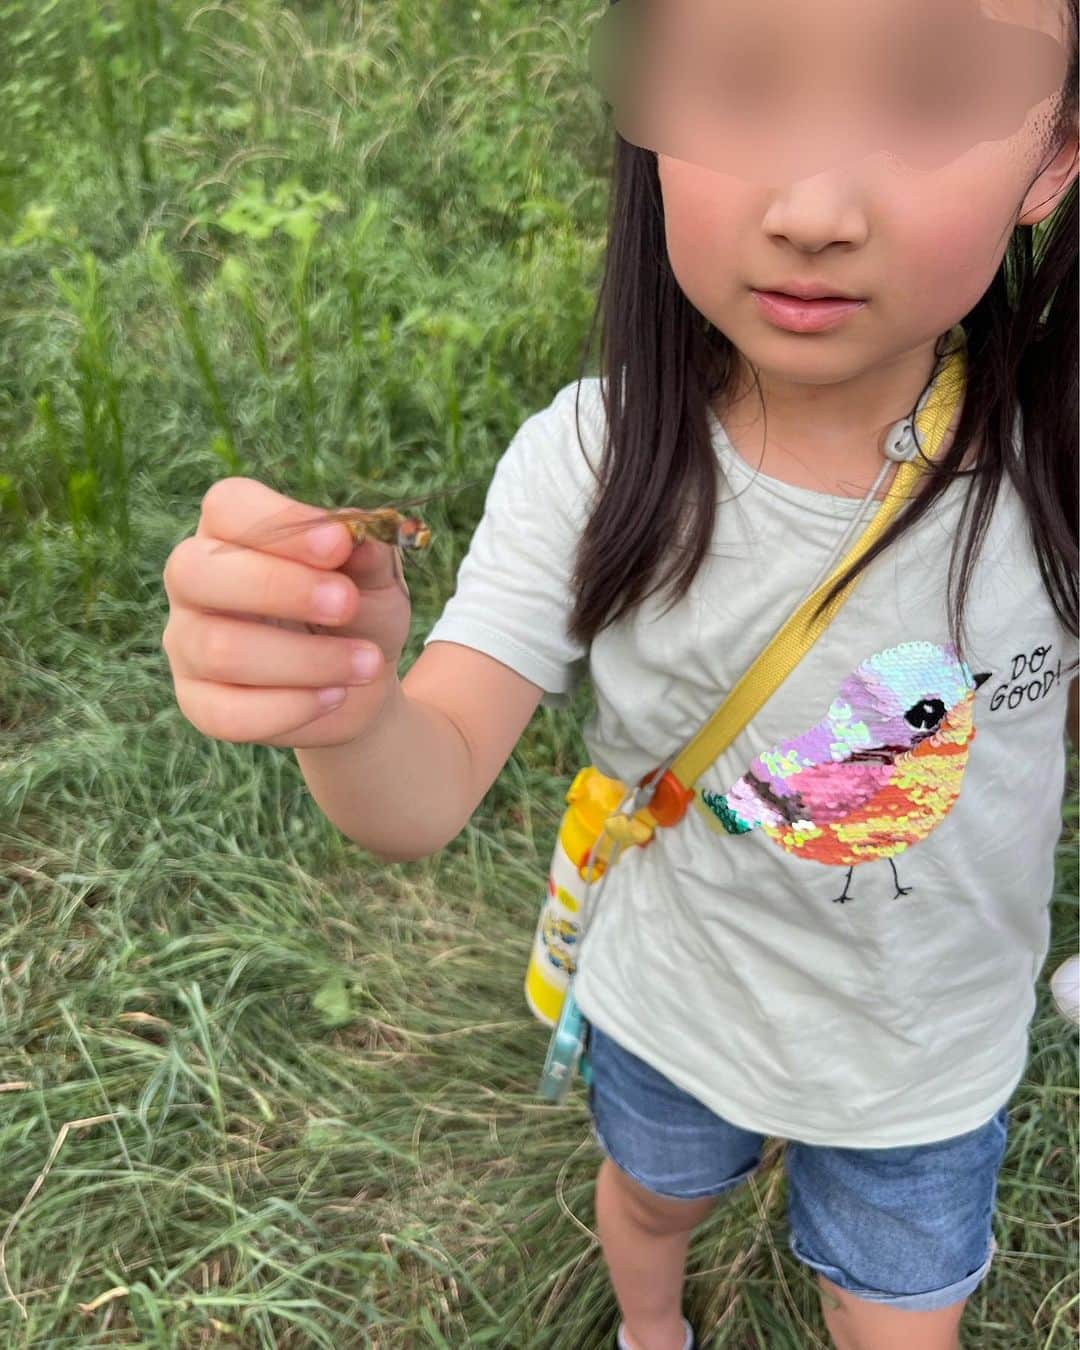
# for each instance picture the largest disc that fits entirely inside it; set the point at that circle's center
(882, 152)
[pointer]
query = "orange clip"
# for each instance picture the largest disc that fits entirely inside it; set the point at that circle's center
(670, 800)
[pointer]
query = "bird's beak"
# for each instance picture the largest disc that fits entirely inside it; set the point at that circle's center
(981, 679)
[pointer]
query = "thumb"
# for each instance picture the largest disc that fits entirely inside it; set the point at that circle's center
(373, 565)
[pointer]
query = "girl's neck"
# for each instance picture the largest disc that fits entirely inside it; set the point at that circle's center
(843, 473)
(805, 443)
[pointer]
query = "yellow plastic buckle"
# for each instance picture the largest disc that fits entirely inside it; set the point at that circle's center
(627, 831)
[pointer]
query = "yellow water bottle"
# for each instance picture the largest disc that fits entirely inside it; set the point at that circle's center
(591, 799)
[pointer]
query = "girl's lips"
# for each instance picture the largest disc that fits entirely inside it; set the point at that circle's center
(804, 316)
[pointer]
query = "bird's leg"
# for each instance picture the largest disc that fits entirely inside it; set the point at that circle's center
(839, 899)
(900, 890)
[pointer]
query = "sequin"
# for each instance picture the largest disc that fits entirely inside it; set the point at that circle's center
(876, 774)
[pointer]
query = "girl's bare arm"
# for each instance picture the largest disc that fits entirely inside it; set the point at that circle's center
(407, 786)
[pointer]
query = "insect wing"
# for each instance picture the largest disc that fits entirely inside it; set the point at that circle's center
(377, 521)
(407, 503)
(275, 529)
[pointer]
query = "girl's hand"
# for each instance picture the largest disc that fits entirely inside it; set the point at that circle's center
(259, 639)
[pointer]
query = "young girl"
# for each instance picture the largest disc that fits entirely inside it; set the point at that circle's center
(869, 1006)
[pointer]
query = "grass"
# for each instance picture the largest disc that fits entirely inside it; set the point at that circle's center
(259, 1090)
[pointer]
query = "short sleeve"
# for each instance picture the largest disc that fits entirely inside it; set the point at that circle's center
(513, 597)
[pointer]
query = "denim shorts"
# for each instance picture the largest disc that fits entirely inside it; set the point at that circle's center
(908, 1226)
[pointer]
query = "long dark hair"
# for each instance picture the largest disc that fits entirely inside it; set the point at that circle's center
(662, 363)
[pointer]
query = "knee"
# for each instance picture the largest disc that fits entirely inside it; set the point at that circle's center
(658, 1215)
(857, 1324)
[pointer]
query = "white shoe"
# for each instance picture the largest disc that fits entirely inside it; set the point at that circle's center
(689, 1344)
(1065, 986)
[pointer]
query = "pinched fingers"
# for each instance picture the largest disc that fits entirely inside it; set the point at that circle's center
(227, 650)
(230, 712)
(239, 680)
(261, 584)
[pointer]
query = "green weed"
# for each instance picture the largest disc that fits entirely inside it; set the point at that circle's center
(255, 1088)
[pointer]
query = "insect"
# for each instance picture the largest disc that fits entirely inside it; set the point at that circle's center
(389, 524)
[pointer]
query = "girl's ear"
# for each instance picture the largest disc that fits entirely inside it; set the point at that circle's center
(1054, 181)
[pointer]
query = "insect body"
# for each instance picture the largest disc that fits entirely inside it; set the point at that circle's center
(385, 523)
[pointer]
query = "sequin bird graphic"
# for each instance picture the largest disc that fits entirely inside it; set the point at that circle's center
(876, 774)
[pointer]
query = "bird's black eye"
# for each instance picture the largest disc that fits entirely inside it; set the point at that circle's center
(925, 715)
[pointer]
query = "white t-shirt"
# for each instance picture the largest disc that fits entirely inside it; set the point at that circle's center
(723, 960)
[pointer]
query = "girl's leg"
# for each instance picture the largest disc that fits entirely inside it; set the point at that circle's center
(858, 1324)
(645, 1238)
(912, 1221)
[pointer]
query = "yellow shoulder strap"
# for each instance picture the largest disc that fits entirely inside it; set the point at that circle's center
(800, 632)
